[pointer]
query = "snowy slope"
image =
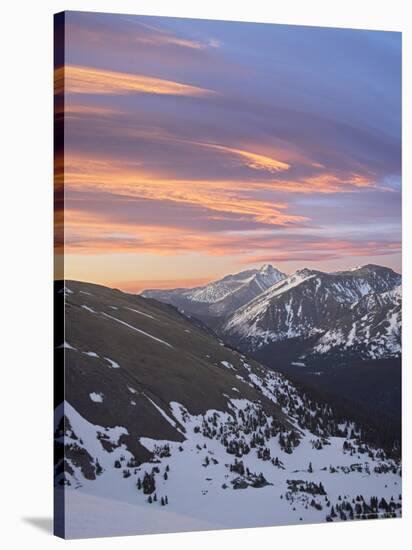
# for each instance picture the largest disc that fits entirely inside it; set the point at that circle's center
(371, 329)
(266, 276)
(226, 441)
(201, 487)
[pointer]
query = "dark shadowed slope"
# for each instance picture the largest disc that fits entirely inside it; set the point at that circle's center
(127, 357)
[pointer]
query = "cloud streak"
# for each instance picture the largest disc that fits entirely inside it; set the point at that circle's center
(219, 196)
(252, 160)
(91, 80)
(88, 234)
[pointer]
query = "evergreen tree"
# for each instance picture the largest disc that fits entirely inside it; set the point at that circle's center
(99, 469)
(148, 484)
(383, 504)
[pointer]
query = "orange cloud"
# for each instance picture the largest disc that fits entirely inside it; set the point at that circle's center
(58, 80)
(334, 183)
(220, 196)
(164, 39)
(253, 160)
(224, 196)
(90, 233)
(90, 80)
(327, 182)
(83, 109)
(160, 37)
(146, 34)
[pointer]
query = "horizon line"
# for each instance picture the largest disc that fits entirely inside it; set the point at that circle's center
(199, 282)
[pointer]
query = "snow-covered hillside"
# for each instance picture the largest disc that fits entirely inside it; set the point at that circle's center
(371, 329)
(189, 434)
(233, 469)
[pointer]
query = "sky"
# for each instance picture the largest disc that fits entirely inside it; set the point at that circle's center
(198, 148)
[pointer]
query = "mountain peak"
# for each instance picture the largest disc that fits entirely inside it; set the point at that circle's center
(223, 296)
(268, 269)
(375, 267)
(306, 272)
(269, 274)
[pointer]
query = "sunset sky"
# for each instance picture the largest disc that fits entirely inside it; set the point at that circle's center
(196, 148)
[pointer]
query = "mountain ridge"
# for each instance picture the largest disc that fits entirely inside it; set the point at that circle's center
(219, 297)
(305, 304)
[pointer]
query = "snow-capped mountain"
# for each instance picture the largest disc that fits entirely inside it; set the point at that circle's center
(221, 297)
(322, 309)
(370, 329)
(164, 428)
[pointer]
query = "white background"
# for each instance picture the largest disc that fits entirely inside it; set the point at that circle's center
(26, 269)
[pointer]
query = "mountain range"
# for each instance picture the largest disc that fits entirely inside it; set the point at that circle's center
(351, 312)
(221, 297)
(337, 332)
(163, 427)
(347, 313)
